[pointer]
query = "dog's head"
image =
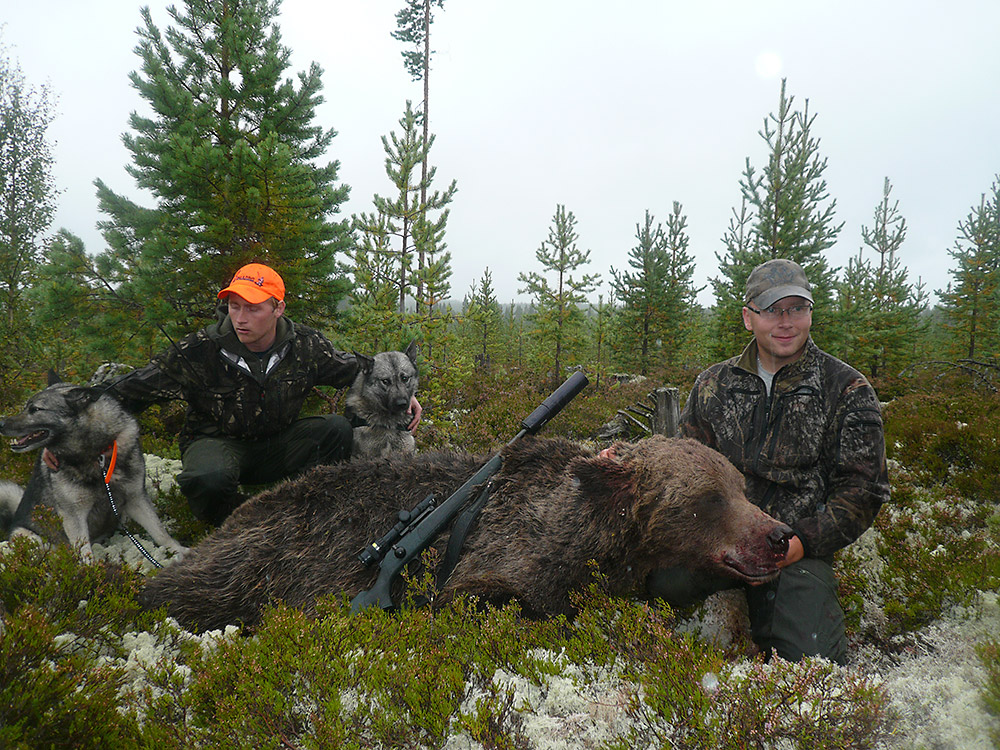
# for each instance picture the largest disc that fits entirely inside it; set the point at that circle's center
(384, 386)
(47, 415)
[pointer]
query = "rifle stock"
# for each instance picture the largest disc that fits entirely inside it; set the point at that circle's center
(415, 539)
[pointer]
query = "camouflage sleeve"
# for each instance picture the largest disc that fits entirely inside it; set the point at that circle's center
(334, 367)
(691, 424)
(857, 480)
(163, 379)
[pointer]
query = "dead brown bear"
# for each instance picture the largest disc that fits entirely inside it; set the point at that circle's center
(554, 506)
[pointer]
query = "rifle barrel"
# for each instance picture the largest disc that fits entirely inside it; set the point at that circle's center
(418, 537)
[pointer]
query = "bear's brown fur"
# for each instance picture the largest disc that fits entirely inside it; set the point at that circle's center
(553, 507)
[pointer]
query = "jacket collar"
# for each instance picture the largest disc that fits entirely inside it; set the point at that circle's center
(233, 351)
(747, 361)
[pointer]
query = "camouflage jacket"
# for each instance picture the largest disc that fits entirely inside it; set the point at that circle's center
(231, 391)
(813, 452)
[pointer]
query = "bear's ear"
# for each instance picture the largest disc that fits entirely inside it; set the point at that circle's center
(607, 482)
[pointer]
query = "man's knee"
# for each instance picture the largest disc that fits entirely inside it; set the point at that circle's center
(209, 478)
(319, 441)
(799, 614)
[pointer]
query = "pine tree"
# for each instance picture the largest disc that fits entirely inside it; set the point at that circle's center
(27, 205)
(881, 312)
(231, 156)
(558, 320)
(413, 26)
(971, 302)
(373, 316)
(787, 211)
(408, 217)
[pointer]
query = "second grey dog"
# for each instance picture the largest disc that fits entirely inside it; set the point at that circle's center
(378, 402)
(77, 429)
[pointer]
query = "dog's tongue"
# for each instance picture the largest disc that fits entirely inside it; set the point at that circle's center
(50, 459)
(25, 440)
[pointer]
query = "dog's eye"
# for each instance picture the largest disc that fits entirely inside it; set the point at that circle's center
(386, 381)
(405, 378)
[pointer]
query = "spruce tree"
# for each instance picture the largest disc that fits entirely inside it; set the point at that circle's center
(680, 293)
(600, 324)
(740, 258)
(558, 319)
(28, 193)
(233, 159)
(786, 213)
(641, 295)
(971, 301)
(482, 320)
(881, 312)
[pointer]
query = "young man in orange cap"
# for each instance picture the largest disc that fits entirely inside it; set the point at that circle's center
(245, 379)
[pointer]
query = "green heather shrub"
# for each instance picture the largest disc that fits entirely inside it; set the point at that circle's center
(932, 549)
(486, 412)
(58, 617)
(412, 678)
(96, 601)
(53, 695)
(937, 542)
(949, 437)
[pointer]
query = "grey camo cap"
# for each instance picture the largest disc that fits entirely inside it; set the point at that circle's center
(776, 279)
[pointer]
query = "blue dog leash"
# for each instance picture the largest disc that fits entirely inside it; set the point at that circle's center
(107, 486)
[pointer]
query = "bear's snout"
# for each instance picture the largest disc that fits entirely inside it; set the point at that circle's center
(778, 538)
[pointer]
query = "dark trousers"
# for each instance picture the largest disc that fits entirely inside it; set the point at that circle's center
(796, 615)
(214, 468)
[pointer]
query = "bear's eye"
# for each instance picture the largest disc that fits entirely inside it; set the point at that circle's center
(712, 499)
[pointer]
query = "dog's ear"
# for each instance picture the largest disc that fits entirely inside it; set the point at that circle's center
(53, 377)
(365, 362)
(82, 397)
(412, 351)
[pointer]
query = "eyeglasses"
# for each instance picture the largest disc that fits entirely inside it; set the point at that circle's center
(773, 314)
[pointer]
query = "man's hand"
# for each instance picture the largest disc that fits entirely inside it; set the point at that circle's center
(416, 410)
(794, 554)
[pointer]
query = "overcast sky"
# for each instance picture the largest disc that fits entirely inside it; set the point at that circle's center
(608, 108)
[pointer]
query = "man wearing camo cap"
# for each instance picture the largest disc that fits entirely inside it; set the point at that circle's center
(806, 431)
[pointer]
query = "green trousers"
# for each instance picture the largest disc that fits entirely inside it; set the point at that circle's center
(796, 615)
(214, 468)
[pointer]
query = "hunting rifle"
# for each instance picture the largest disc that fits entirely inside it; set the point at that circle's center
(417, 528)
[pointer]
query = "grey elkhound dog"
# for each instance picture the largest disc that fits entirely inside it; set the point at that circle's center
(378, 402)
(78, 430)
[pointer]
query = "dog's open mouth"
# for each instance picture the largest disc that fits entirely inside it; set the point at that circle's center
(29, 441)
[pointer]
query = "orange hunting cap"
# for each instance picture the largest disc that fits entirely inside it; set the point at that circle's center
(255, 283)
